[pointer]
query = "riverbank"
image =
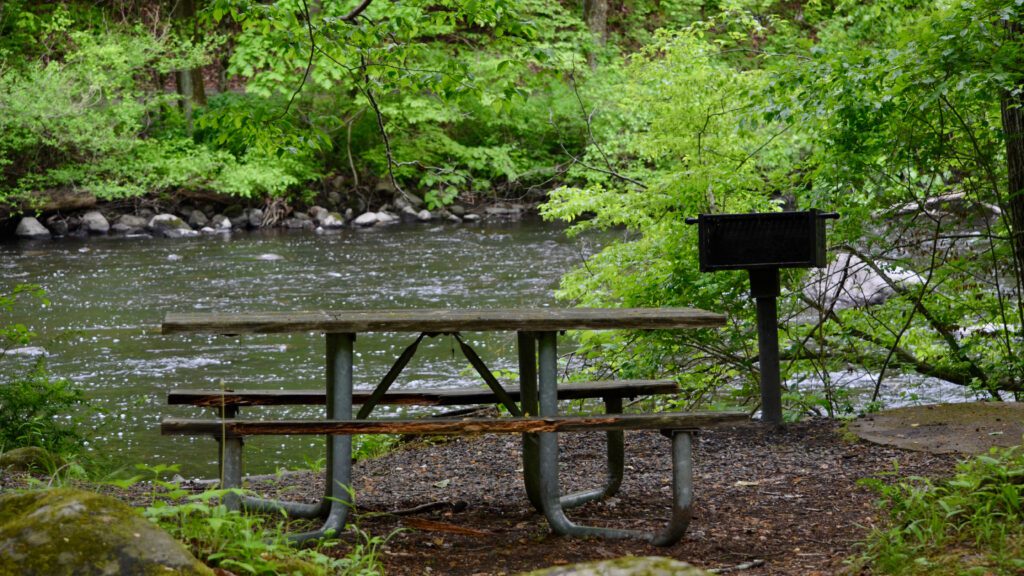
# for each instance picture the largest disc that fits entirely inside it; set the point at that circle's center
(766, 501)
(184, 217)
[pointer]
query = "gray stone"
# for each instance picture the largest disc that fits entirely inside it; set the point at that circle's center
(94, 223)
(186, 211)
(299, 224)
(424, 216)
(133, 222)
(471, 217)
(255, 217)
(207, 230)
(410, 199)
(221, 222)
(850, 282)
(333, 199)
(317, 213)
(30, 228)
(65, 532)
(332, 220)
(240, 221)
(627, 566)
(197, 219)
(57, 225)
(170, 226)
(301, 216)
(385, 217)
(449, 217)
(504, 211)
(349, 214)
(408, 214)
(457, 209)
(366, 219)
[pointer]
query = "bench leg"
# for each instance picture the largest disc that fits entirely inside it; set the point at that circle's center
(616, 462)
(527, 344)
(682, 494)
(231, 469)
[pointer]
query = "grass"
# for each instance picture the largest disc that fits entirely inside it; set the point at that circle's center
(972, 523)
(248, 544)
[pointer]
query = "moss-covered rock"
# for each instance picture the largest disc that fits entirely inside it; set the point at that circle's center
(28, 459)
(65, 532)
(628, 566)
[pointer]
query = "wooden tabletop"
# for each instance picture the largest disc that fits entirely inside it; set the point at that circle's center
(442, 320)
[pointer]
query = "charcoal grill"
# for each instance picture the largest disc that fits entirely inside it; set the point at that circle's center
(761, 244)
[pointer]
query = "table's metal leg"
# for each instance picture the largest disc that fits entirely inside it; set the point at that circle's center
(550, 491)
(527, 343)
(548, 370)
(339, 448)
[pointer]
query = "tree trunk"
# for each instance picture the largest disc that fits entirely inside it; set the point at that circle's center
(1012, 107)
(190, 85)
(595, 13)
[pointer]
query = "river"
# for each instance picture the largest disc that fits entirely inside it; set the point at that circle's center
(109, 295)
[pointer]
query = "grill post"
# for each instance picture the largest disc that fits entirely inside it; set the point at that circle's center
(764, 288)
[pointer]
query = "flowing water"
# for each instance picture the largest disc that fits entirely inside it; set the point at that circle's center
(109, 295)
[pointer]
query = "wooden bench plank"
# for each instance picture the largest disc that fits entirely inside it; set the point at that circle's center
(663, 421)
(421, 397)
(442, 320)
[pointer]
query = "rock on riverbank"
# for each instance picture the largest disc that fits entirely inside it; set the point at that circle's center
(73, 532)
(191, 219)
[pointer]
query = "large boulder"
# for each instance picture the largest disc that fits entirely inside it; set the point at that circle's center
(94, 222)
(628, 566)
(65, 532)
(849, 282)
(170, 226)
(31, 229)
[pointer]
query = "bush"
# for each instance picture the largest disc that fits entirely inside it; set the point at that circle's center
(35, 408)
(972, 523)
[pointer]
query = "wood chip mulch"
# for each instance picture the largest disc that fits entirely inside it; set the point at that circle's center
(766, 501)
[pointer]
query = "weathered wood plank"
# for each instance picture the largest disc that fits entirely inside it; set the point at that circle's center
(419, 397)
(442, 320)
(431, 427)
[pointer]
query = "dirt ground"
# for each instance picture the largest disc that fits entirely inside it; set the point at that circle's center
(766, 501)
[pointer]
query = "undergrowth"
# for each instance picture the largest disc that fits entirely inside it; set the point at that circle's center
(244, 543)
(972, 523)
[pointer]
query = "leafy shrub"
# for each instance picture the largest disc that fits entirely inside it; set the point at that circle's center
(35, 408)
(246, 544)
(972, 523)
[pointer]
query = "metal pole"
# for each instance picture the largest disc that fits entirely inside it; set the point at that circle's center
(764, 287)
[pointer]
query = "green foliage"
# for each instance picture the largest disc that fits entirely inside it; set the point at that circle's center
(677, 140)
(35, 408)
(969, 524)
(245, 543)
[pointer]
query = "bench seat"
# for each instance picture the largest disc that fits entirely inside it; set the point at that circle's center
(421, 397)
(233, 427)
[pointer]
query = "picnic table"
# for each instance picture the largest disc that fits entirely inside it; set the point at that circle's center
(533, 405)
